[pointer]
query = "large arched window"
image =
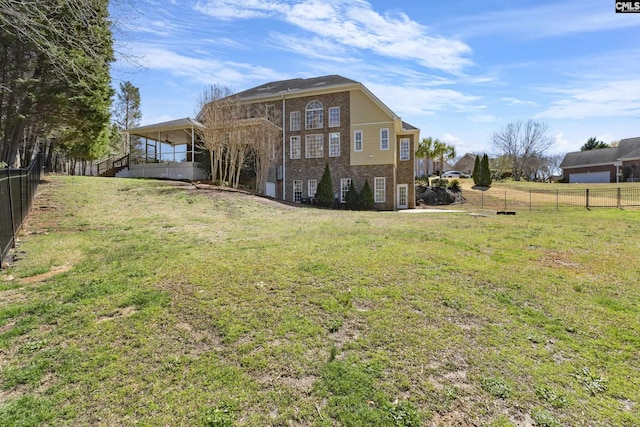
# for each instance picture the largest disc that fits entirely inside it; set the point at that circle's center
(313, 115)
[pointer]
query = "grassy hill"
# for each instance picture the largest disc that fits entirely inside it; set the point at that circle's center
(155, 303)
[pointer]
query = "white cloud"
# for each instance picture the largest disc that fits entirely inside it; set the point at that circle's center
(413, 100)
(516, 101)
(244, 9)
(355, 25)
(610, 99)
(200, 69)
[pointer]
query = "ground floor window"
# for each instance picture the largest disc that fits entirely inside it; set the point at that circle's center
(379, 189)
(297, 190)
(312, 186)
(345, 183)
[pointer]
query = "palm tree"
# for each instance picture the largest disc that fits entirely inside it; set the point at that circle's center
(442, 151)
(426, 150)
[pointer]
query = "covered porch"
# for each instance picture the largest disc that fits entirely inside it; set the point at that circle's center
(164, 150)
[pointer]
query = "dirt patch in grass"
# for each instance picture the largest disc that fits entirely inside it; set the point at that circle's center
(118, 314)
(44, 276)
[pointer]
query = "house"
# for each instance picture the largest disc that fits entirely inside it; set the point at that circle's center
(323, 120)
(613, 164)
(466, 163)
(337, 121)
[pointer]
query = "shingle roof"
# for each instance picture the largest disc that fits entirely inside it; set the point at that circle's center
(626, 149)
(294, 85)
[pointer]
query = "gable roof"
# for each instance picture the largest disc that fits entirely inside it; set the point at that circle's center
(283, 87)
(627, 149)
(303, 87)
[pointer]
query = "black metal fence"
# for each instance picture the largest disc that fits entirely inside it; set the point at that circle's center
(553, 199)
(17, 188)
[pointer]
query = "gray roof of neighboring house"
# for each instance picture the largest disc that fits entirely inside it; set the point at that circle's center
(627, 149)
(294, 85)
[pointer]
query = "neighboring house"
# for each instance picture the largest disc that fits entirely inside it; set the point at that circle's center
(338, 121)
(614, 164)
(466, 163)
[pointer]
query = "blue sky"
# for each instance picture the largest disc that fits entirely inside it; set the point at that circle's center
(458, 70)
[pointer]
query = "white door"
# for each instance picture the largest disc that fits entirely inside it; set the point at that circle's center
(403, 196)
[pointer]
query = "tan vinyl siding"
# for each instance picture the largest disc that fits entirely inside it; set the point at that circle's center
(368, 117)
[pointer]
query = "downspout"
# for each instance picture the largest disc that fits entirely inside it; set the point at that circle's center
(284, 144)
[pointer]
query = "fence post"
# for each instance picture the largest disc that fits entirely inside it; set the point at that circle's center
(530, 200)
(13, 223)
(587, 198)
(505, 200)
(557, 199)
(619, 197)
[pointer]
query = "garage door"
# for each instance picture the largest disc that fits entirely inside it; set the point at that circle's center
(590, 177)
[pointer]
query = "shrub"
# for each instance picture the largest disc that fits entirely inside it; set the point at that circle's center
(324, 192)
(365, 198)
(454, 186)
(351, 197)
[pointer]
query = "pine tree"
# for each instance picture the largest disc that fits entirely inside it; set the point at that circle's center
(324, 192)
(486, 171)
(365, 198)
(476, 171)
(352, 197)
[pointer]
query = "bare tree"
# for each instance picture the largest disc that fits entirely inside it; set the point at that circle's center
(235, 132)
(217, 116)
(522, 143)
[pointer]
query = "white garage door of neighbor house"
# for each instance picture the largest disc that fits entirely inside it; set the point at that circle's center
(270, 189)
(589, 178)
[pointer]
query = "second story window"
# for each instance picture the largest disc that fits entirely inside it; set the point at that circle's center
(314, 115)
(405, 153)
(295, 147)
(334, 117)
(384, 139)
(357, 140)
(313, 146)
(294, 120)
(334, 144)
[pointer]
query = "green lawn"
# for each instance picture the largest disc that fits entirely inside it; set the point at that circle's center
(142, 302)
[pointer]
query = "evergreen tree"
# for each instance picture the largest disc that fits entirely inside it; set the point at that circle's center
(352, 197)
(126, 114)
(486, 171)
(55, 63)
(476, 171)
(324, 192)
(365, 198)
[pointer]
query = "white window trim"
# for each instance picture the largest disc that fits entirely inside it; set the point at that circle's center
(382, 140)
(333, 124)
(406, 141)
(317, 121)
(291, 140)
(312, 183)
(291, 120)
(293, 192)
(334, 134)
(355, 140)
(306, 145)
(344, 190)
(376, 182)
